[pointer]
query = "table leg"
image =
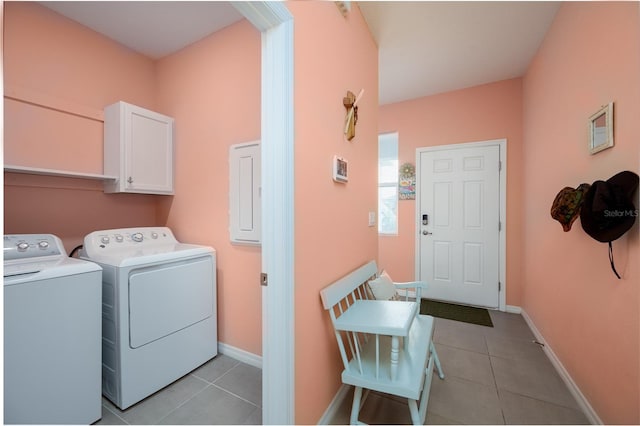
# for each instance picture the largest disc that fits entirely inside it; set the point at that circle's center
(395, 353)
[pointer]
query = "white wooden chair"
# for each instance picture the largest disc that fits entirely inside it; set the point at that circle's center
(369, 332)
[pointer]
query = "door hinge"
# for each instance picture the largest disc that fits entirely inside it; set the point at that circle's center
(264, 279)
(499, 225)
(499, 286)
(499, 166)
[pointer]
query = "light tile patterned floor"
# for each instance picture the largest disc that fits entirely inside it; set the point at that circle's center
(222, 391)
(493, 376)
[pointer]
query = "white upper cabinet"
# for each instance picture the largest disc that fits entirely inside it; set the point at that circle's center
(244, 193)
(138, 149)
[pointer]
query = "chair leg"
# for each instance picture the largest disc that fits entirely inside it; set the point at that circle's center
(434, 354)
(415, 414)
(355, 407)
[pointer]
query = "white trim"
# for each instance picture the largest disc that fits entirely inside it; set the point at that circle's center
(502, 144)
(240, 355)
(277, 134)
(587, 409)
(511, 309)
(332, 410)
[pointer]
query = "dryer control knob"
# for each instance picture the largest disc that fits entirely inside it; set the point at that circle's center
(119, 238)
(23, 246)
(43, 245)
(104, 240)
(154, 235)
(137, 237)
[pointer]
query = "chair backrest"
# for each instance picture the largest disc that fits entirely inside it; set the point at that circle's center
(351, 284)
(339, 296)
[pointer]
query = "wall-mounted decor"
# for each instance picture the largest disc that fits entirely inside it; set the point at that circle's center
(608, 211)
(601, 129)
(350, 102)
(340, 169)
(407, 182)
(566, 206)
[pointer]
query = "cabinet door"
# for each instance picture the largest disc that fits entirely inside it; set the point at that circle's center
(149, 151)
(244, 193)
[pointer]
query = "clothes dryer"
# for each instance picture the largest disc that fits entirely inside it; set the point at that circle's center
(159, 317)
(52, 333)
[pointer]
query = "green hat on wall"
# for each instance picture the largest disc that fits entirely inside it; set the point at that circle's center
(566, 206)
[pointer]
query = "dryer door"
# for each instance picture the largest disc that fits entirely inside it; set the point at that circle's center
(167, 298)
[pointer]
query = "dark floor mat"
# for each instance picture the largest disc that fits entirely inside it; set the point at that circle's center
(450, 311)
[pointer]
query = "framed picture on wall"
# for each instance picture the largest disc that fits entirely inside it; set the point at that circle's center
(340, 169)
(601, 129)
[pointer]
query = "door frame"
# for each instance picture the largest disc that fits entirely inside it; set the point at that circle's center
(502, 238)
(275, 23)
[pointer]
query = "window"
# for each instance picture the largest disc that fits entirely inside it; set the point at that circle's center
(388, 184)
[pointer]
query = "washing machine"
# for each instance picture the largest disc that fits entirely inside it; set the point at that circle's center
(159, 316)
(52, 333)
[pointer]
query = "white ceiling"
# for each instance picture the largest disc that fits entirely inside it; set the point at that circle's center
(433, 47)
(153, 28)
(425, 47)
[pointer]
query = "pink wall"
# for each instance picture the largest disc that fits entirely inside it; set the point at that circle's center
(50, 58)
(212, 89)
(50, 53)
(490, 111)
(590, 56)
(332, 236)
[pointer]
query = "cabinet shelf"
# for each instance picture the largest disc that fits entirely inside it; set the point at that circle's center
(58, 173)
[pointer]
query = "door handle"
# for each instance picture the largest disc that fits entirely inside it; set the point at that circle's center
(427, 233)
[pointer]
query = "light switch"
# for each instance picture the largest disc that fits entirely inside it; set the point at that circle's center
(372, 218)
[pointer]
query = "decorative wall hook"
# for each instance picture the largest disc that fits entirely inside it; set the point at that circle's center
(350, 102)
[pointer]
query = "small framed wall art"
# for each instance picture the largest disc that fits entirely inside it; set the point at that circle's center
(407, 182)
(340, 169)
(601, 129)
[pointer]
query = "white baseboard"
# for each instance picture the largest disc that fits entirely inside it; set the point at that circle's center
(240, 354)
(336, 402)
(587, 409)
(514, 309)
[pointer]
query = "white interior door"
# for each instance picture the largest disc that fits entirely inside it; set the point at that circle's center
(459, 224)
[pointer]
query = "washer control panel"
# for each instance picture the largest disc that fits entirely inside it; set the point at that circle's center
(118, 239)
(28, 246)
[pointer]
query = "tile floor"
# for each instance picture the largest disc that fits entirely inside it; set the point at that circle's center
(222, 391)
(493, 376)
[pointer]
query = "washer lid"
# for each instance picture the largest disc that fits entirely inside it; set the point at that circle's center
(17, 272)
